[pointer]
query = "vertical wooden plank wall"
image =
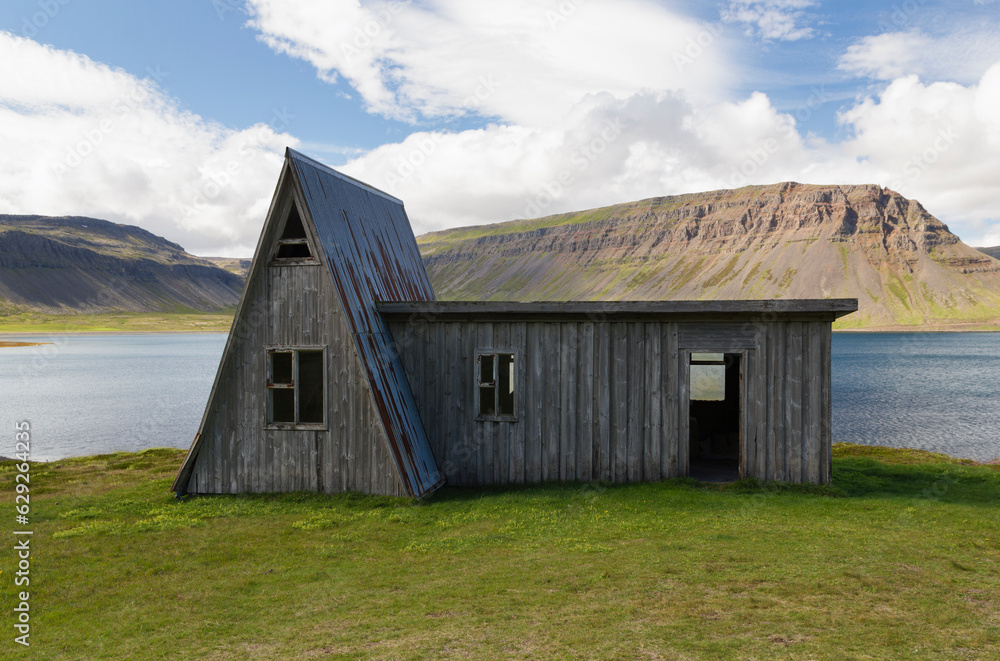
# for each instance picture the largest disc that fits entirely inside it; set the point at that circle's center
(602, 400)
(595, 400)
(293, 306)
(797, 402)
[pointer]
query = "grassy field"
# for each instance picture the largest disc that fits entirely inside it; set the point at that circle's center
(128, 322)
(900, 558)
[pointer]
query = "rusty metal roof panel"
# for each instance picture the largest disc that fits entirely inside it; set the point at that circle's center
(368, 243)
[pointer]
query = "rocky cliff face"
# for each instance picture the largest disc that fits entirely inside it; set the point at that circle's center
(76, 264)
(780, 241)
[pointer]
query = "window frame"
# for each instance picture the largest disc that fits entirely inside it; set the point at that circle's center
(312, 259)
(692, 362)
(294, 386)
(479, 385)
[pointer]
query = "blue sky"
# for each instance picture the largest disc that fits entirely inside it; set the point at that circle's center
(174, 115)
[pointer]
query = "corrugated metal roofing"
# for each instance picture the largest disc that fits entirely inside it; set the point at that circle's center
(369, 246)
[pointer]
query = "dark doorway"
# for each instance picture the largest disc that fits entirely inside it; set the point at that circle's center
(714, 444)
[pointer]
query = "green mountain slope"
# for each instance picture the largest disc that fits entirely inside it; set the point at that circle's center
(785, 240)
(76, 264)
(992, 252)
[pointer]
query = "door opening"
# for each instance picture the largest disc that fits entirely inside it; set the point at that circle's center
(714, 443)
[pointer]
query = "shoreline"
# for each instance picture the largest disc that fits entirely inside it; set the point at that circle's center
(841, 446)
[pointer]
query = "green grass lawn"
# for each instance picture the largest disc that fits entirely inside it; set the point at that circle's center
(899, 559)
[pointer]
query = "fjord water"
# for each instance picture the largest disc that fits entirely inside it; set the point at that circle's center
(91, 394)
(930, 391)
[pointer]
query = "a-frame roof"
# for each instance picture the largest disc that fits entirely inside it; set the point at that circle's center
(367, 243)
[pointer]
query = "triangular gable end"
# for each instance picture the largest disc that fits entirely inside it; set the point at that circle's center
(373, 256)
(233, 450)
(293, 246)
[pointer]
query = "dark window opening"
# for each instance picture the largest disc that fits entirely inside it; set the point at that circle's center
(495, 381)
(293, 225)
(293, 251)
(293, 244)
(310, 386)
(714, 422)
(295, 391)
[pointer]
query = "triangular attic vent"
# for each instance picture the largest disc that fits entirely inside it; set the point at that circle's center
(293, 244)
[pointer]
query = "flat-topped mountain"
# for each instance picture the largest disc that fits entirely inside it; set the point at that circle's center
(78, 264)
(785, 240)
(992, 252)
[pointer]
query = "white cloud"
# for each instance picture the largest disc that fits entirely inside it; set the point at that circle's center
(520, 61)
(938, 143)
(82, 138)
(960, 55)
(584, 119)
(886, 56)
(581, 119)
(773, 20)
(609, 150)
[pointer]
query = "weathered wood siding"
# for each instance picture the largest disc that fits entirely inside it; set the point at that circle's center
(795, 442)
(593, 400)
(607, 400)
(293, 306)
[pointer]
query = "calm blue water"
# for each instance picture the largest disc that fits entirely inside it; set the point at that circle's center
(932, 391)
(89, 394)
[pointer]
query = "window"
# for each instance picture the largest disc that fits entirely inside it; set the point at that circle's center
(295, 392)
(293, 246)
(708, 377)
(495, 385)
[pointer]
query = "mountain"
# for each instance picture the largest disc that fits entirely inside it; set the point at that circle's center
(77, 264)
(238, 265)
(992, 252)
(784, 240)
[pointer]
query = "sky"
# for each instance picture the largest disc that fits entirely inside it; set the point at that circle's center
(174, 114)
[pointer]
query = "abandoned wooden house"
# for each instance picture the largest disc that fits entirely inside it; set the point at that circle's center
(343, 373)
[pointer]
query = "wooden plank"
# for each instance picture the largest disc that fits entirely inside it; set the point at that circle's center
(535, 405)
(450, 363)
(684, 412)
(670, 455)
(826, 450)
(567, 401)
(781, 446)
(466, 433)
(519, 429)
(552, 379)
(636, 400)
(603, 338)
(813, 400)
(495, 451)
(585, 403)
(719, 311)
(619, 404)
(653, 405)
(793, 405)
(717, 336)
